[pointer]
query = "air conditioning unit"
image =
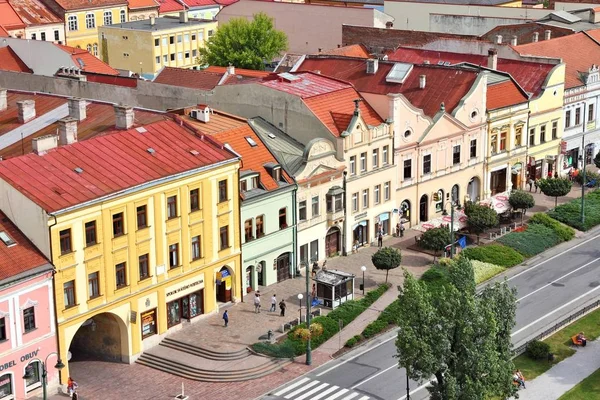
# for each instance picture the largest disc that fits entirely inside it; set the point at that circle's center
(194, 114)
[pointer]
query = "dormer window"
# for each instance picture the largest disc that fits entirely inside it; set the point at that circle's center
(249, 182)
(277, 173)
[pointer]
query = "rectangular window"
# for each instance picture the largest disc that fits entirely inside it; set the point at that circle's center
(69, 291)
(164, 41)
(43, 36)
(568, 119)
(315, 206)
(554, 130)
(172, 56)
(157, 59)
(376, 158)
(179, 38)
(223, 191)
(532, 137)
(302, 210)
(363, 162)
(386, 191)
(577, 116)
(90, 233)
(121, 275)
(456, 155)
(353, 165)
(377, 194)
(90, 21)
(118, 228)
(186, 37)
(473, 149)
(156, 42)
(193, 36)
(194, 200)
(165, 59)
(385, 155)
(123, 19)
(365, 198)
(260, 227)
(107, 17)
(427, 164)
(180, 56)
(143, 266)
(224, 237)
(171, 207)
(57, 35)
(355, 202)
(518, 135)
(2, 329)
(187, 55)
(196, 253)
(142, 220)
(29, 319)
(210, 32)
(72, 23)
(283, 218)
(248, 230)
(171, 39)
(244, 186)
(174, 255)
(93, 285)
(407, 169)
(494, 144)
(65, 241)
(503, 141)
(33, 36)
(591, 116)
(543, 134)
(194, 53)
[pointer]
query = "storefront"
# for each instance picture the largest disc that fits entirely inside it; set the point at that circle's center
(498, 181)
(516, 172)
(535, 168)
(360, 231)
(184, 301)
(382, 222)
(149, 323)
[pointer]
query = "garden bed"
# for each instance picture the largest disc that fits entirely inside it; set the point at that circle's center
(570, 213)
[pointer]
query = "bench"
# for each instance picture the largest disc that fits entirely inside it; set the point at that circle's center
(575, 341)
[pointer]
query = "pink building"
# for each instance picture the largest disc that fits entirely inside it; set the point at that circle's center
(27, 327)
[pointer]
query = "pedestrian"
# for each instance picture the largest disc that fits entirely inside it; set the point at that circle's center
(226, 318)
(257, 303)
(518, 380)
(313, 293)
(530, 182)
(380, 240)
(555, 174)
(535, 184)
(273, 303)
(282, 307)
(71, 387)
(401, 228)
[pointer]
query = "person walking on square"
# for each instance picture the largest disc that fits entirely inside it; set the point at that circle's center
(226, 318)
(273, 303)
(530, 184)
(380, 239)
(401, 228)
(535, 183)
(257, 303)
(282, 307)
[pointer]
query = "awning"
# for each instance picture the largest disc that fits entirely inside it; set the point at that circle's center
(363, 223)
(384, 216)
(460, 221)
(498, 202)
(335, 190)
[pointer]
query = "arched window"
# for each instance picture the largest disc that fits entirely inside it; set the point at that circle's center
(6, 386)
(89, 48)
(95, 49)
(107, 17)
(455, 193)
(439, 201)
(33, 374)
(73, 23)
(123, 16)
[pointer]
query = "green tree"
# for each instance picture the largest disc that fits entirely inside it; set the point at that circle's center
(435, 239)
(386, 258)
(521, 200)
(244, 44)
(555, 187)
(458, 336)
(597, 160)
(480, 218)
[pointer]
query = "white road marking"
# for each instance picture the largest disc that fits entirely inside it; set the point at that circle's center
(356, 356)
(336, 395)
(325, 393)
(302, 389)
(364, 398)
(373, 376)
(351, 396)
(417, 389)
(313, 391)
(290, 387)
(556, 280)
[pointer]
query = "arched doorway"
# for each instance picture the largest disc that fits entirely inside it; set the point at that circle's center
(249, 278)
(423, 208)
(102, 337)
(283, 267)
(224, 285)
(473, 189)
(360, 233)
(455, 193)
(332, 241)
(405, 210)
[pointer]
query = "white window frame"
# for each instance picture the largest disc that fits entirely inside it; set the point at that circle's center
(386, 191)
(365, 198)
(90, 21)
(355, 202)
(73, 23)
(377, 194)
(107, 18)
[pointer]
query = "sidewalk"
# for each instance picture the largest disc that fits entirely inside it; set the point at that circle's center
(563, 376)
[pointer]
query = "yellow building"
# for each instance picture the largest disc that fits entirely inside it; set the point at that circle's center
(144, 234)
(83, 18)
(146, 46)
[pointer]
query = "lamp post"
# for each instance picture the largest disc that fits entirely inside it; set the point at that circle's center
(582, 158)
(300, 297)
(308, 303)
(363, 269)
(453, 204)
(28, 374)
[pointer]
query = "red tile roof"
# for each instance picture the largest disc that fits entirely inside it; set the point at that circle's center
(10, 61)
(504, 94)
(529, 75)
(166, 6)
(90, 62)
(9, 18)
(110, 163)
(251, 73)
(305, 85)
(189, 78)
(84, 4)
(3, 32)
(43, 104)
(34, 12)
(133, 4)
(225, 2)
(199, 3)
(354, 50)
(20, 257)
(578, 51)
(444, 84)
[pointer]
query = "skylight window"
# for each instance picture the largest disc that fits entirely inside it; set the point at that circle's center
(194, 152)
(78, 170)
(272, 136)
(141, 129)
(150, 150)
(8, 241)
(251, 141)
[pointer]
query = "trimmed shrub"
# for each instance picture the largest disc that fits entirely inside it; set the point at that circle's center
(537, 350)
(496, 254)
(284, 349)
(353, 341)
(374, 328)
(484, 271)
(570, 213)
(564, 233)
(535, 239)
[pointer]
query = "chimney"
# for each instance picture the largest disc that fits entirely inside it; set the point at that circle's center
(492, 59)
(372, 66)
(230, 70)
(547, 34)
(422, 81)
(77, 108)
(124, 116)
(357, 107)
(536, 37)
(152, 20)
(42, 144)
(498, 39)
(183, 17)
(67, 131)
(513, 41)
(203, 114)
(594, 16)
(3, 99)
(26, 110)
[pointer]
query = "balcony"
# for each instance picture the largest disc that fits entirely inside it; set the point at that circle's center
(334, 216)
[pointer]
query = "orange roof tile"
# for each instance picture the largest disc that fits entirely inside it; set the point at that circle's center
(10, 61)
(166, 6)
(34, 12)
(219, 121)
(9, 18)
(133, 4)
(3, 32)
(354, 50)
(88, 60)
(504, 94)
(43, 104)
(21, 257)
(83, 4)
(189, 78)
(239, 71)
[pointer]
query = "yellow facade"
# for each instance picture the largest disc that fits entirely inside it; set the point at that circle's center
(148, 51)
(122, 314)
(82, 33)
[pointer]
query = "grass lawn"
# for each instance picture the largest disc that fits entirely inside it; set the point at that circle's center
(560, 345)
(587, 389)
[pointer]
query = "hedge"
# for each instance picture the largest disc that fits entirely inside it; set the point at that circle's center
(496, 254)
(534, 240)
(564, 233)
(570, 213)
(484, 271)
(353, 341)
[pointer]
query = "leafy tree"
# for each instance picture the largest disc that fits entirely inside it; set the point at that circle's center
(387, 258)
(521, 200)
(555, 187)
(597, 160)
(244, 44)
(461, 338)
(435, 239)
(480, 218)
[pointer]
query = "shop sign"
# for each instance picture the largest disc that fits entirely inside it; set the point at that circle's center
(185, 288)
(23, 358)
(149, 323)
(360, 216)
(563, 147)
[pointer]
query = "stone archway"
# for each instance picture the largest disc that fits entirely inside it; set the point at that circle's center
(101, 337)
(224, 284)
(474, 189)
(424, 208)
(332, 241)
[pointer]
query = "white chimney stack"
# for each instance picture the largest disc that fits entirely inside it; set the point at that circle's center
(231, 70)
(536, 37)
(513, 41)
(3, 99)
(67, 131)
(499, 39)
(152, 20)
(26, 110)
(492, 59)
(183, 17)
(42, 144)
(422, 81)
(372, 66)
(77, 108)
(124, 116)
(203, 114)
(547, 34)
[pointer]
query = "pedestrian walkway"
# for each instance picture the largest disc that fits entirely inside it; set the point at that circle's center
(563, 376)
(313, 389)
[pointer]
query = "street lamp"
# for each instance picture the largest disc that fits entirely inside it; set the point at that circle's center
(28, 374)
(300, 297)
(582, 159)
(453, 204)
(363, 269)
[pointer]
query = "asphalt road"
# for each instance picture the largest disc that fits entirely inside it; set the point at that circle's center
(565, 279)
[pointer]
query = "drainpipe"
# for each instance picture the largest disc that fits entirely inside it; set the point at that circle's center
(242, 271)
(527, 141)
(295, 265)
(344, 233)
(54, 294)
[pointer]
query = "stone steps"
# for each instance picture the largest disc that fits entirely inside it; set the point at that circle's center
(204, 353)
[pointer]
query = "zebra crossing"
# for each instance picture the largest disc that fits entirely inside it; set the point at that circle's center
(311, 389)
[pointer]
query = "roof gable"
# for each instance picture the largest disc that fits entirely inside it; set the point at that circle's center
(194, 79)
(10, 61)
(443, 126)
